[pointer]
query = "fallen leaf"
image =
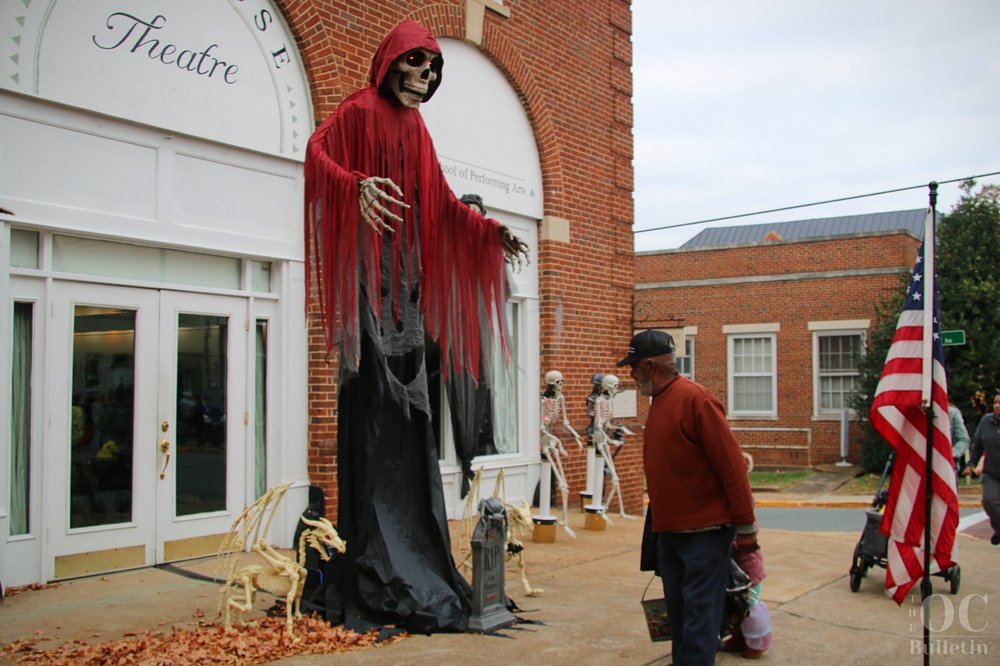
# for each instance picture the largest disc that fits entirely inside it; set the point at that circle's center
(209, 643)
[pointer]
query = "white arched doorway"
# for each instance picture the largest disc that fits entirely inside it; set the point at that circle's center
(486, 146)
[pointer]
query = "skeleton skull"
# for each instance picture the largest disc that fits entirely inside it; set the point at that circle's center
(412, 74)
(609, 385)
(554, 378)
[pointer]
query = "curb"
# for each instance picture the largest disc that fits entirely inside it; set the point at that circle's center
(834, 504)
(806, 503)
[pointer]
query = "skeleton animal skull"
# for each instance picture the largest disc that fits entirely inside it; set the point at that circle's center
(412, 74)
(609, 385)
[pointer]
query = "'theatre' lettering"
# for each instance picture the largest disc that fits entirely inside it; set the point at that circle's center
(133, 34)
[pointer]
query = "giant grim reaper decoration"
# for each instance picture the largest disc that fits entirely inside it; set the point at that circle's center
(395, 255)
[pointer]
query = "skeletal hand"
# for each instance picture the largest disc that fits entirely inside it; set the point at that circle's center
(515, 250)
(371, 199)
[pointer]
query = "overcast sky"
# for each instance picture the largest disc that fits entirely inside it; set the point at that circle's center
(749, 105)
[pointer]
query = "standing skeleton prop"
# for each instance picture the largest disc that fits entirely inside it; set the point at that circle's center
(607, 434)
(595, 393)
(393, 257)
(554, 408)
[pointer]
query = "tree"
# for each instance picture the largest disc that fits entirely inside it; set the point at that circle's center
(969, 279)
(968, 276)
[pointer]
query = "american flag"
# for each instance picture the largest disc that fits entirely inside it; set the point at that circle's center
(898, 415)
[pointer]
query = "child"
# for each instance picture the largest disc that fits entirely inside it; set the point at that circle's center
(753, 636)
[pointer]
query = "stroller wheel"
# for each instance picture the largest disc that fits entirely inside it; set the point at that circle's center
(858, 568)
(955, 578)
(855, 581)
(859, 564)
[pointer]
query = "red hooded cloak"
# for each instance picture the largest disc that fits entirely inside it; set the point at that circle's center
(459, 256)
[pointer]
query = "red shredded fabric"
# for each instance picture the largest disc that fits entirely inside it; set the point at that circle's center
(460, 255)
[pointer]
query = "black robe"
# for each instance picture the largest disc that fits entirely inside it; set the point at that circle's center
(398, 569)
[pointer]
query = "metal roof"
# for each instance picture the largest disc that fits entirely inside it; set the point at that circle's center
(910, 221)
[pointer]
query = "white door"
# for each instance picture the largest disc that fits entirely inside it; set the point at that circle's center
(145, 438)
(202, 416)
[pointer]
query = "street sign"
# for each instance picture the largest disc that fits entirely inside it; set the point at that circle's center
(952, 338)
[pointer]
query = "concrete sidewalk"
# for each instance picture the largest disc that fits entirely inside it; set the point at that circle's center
(590, 611)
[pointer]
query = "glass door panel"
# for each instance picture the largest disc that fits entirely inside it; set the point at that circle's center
(202, 388)
(102, 415)
(203, 397)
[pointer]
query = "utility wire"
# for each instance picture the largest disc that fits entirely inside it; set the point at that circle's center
(815, 203)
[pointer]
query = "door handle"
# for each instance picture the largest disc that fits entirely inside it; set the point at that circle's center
(165, 448)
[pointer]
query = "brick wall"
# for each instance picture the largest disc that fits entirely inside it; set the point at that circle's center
(799, 281)
(570, 62)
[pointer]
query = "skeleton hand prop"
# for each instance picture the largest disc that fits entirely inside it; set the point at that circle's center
(372, 208)
(515, 250)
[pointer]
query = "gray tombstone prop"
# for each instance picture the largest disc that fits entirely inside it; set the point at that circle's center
(489, 539)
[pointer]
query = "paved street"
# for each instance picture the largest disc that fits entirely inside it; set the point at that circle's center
(823, 519)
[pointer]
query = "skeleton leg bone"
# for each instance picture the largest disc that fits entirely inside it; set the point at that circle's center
(244, 606)
(292, 606)
(615, 486)
(553, 458)
(522, 571)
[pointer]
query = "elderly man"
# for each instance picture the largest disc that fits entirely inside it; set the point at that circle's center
(699, 496)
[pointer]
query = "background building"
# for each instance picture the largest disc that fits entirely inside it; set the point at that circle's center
(163, 368)
(773, 318)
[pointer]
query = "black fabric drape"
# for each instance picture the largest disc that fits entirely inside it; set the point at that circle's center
(398, 568)
(470, 405)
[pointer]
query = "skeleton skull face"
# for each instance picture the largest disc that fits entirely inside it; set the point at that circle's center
(411, 75)
(609, 385)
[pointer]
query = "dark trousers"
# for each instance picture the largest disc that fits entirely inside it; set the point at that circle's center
(991, 497)
(695, 570)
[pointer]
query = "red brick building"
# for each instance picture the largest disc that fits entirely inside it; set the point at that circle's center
(772, 316)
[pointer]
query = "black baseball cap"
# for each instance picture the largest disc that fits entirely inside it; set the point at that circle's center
(646, 344)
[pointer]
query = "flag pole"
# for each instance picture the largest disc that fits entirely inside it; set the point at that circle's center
(927, 391)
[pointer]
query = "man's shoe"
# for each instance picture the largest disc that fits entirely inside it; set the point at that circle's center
(995, 539)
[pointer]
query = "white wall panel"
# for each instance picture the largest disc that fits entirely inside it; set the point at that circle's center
(87, 174)
(209, 194)
(42, 162)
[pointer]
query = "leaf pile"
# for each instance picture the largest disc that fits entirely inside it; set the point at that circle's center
(33, 587)
(209, 643)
